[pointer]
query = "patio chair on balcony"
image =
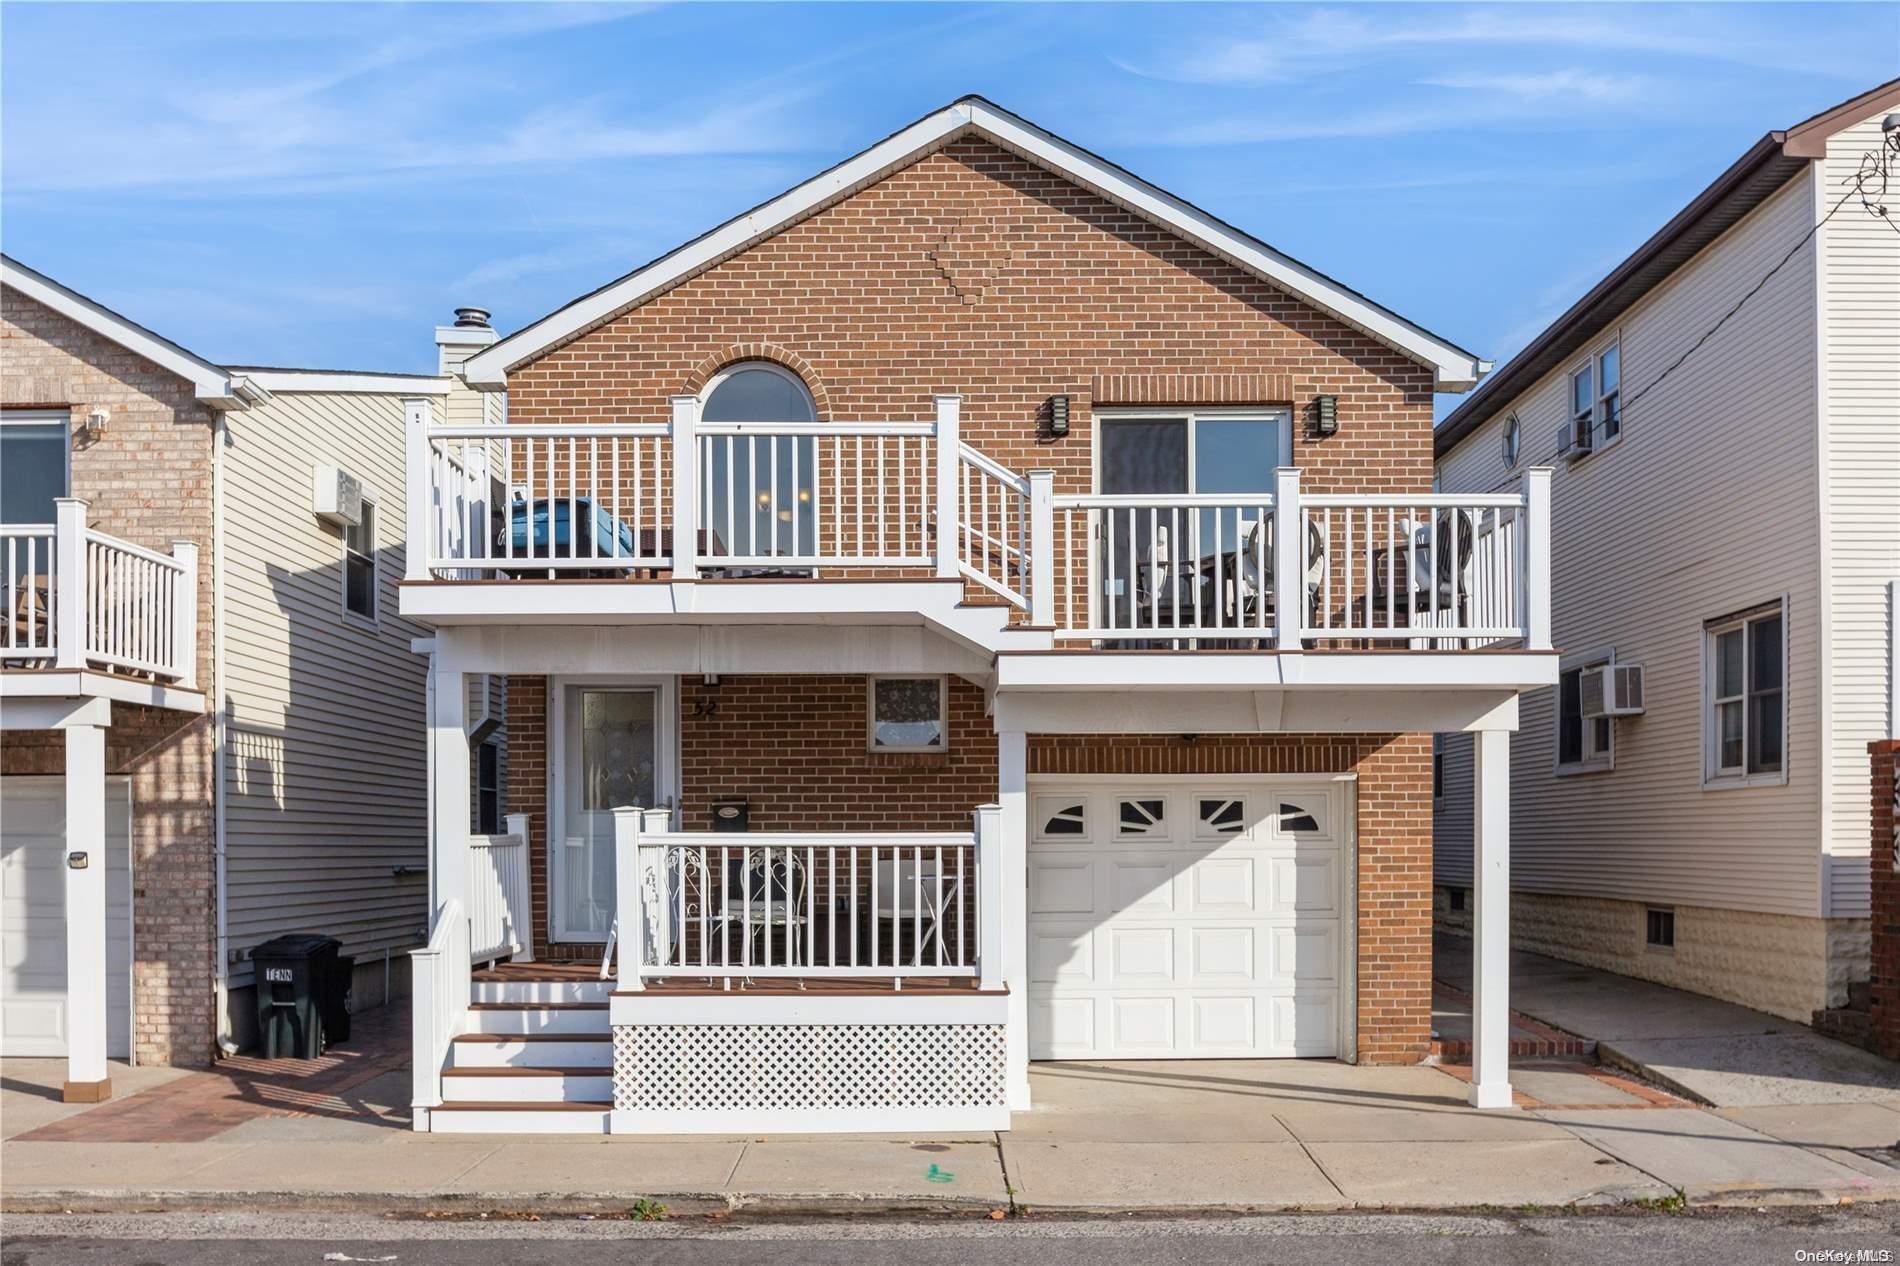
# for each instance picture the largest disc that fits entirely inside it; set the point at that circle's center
(1249, 596)
(1432, 581)
(33, 613)
(916, 894)
(764, 892)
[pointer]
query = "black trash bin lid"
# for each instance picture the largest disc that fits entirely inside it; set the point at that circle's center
(298, 945)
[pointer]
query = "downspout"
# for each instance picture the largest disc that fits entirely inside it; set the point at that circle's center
(220, 738)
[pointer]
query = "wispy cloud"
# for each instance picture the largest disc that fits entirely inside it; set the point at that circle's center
(1575, 85)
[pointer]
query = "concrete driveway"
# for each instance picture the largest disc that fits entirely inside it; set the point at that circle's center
(1710, 1051)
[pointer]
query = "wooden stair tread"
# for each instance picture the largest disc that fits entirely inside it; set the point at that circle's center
(533, 1037)
(513, 1070)
(537, 1006)
(529, 1105)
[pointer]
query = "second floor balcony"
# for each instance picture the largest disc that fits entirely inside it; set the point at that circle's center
(90, 613)
(763, 515)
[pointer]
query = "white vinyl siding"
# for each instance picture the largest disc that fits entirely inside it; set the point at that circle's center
(325, 786)
(1859, 287)
(1706, 504)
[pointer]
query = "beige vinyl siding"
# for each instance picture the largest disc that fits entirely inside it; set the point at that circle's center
(1705, 506)
(1859, 289)
(325, 776)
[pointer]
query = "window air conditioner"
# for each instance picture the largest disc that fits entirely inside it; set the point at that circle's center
(1612, 690)
(1573, 445)
(336, 496)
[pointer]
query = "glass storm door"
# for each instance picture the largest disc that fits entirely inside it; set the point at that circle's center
(612, 758)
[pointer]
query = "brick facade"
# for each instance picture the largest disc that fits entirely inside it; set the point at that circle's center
(148, 480)
(973, 271)
(1885, 867)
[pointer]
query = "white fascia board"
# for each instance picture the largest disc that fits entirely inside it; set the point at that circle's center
(1453, 368)
(765, 602)
(209, 382)
(578, 650)
(740, 1007)
(85, 684)
(1365, 670)
(1257, 711)
(302, 380)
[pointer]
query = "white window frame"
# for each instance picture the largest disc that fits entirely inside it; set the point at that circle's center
(1281, 414)
(1578, 418)
(870, 712)
(62, 418)
(1512, 442)
(374, 618)
(1595, 760)
(1714, 776)
(1657, 947)
(476, 752)
(740, 366)
(1600, 410)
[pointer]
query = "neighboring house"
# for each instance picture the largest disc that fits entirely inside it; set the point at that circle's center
(1728, 518)
(910, 549)
(208, 689)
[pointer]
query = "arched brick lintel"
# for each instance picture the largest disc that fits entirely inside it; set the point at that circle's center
(783, 357)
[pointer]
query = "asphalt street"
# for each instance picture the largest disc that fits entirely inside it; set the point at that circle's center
(183, 1239)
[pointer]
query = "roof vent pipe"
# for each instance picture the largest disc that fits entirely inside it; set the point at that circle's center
(472, 318)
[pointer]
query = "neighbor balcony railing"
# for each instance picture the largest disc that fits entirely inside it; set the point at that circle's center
(77, 598)
(910, 500)
(806, 905)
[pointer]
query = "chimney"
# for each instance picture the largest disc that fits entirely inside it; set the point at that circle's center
(469, 335)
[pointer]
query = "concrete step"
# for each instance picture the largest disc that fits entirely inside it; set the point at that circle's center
(520, 1117)
(522, 991)
(528, 1085)
(544, 1050)
(537, 1017)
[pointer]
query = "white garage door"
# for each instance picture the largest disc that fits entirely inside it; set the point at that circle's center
(33, 917)
(1185, 919)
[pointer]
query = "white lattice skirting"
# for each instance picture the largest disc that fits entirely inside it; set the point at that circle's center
(712, 1078)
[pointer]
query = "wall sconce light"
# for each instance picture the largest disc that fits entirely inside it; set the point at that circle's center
(96, 423)
(1326, 415)
(1058, 415)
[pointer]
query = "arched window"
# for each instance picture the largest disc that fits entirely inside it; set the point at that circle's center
(761, 483)
(757, 391)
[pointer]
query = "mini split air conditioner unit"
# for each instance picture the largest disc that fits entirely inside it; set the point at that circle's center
(336, 496)
(1612, 690)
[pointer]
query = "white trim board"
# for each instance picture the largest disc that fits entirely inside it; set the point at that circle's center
(1454, 369)
(346, 382)
(210, 383)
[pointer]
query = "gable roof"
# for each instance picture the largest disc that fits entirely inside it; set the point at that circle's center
(1769, 164)
(215, 385)
(1454, 369)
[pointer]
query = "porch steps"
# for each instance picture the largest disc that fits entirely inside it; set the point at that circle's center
(538, 1017)
(537, 1057)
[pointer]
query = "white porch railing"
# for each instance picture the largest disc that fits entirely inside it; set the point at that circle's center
(77, 598)
(439, 997)
(807, 904)
(499, 915)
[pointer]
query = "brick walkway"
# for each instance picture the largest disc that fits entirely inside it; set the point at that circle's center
(203, 1105)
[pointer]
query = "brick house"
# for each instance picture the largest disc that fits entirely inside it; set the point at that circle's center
(887, 585)
(181, 616)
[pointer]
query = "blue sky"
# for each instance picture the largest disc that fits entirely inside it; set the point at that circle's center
(288, 184)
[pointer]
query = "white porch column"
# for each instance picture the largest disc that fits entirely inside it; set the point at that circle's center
(1491, 922)
(1289, 561)
(990, 887)
(69, 583)
(87, 1079)
(1534, 566)
(685, 491)
(1012, 795)
(184, 630)
(449, 789)
(653, 878)
(630, 932)
(1042, 548)
(419, 501)
(949, 441)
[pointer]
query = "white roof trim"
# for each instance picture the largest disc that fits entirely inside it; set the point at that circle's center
(1454, 369)
(275, 380)
(210, 383)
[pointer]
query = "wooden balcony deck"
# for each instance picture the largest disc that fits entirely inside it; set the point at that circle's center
(689, 986)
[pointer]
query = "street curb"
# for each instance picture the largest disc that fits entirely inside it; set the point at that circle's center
(500, 1207)
(1610, 1056)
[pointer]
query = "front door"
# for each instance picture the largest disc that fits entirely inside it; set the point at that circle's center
(614, 753)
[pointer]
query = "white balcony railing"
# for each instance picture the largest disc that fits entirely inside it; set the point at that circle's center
(500, 918)
(439, 979)
(77, 598)
(806, 904)
(905, 499)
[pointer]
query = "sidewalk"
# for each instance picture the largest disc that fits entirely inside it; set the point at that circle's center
(1709, 1051)
(1191, 1136)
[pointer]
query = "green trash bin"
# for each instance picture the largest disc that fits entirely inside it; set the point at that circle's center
(292, 974)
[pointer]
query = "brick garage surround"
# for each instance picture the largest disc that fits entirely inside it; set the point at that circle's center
(148, 480)
(794, 748)
(1885, 976)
